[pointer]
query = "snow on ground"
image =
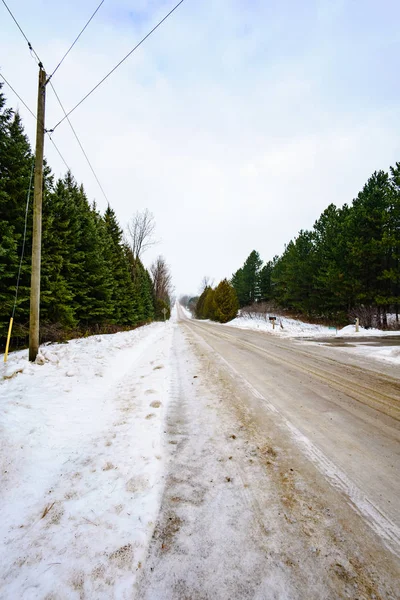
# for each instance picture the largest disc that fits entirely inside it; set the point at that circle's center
(389, 354)
(82, 463)
(295, 328)
(186, 312)
(283, 326)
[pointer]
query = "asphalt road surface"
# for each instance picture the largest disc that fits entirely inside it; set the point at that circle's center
(284, 476)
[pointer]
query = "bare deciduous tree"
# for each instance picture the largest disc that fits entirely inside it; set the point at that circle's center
(205, 282)
(184, 300)
(141, 232)
(162, 279)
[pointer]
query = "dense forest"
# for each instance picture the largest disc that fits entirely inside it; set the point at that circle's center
(346, 266)
(91, 279)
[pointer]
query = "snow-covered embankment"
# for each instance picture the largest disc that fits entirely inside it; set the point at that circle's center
(82, 463)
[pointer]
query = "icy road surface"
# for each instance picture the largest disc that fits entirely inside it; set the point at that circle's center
(191, 461)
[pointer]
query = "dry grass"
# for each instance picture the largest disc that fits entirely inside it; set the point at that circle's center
(47, 510)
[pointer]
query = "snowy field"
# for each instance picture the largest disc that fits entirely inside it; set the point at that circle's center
(82, 464)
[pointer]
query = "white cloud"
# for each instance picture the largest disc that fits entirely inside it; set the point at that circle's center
(222, 124)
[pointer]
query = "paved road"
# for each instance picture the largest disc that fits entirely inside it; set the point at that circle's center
(282, 480)
(348, 408)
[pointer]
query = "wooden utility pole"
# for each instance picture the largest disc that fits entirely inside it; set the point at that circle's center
(37, 220)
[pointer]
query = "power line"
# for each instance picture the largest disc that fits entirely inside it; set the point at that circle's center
(73, 44)
(21, 30)
(18, 96)
(79, 142)
(24, 239)
(118, 65)
(58, 151)
(34, 116)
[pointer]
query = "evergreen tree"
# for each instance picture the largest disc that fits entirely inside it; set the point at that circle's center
(367, 223)
(391, 243)
(334, 287)
(8, 273)
(238, 283)
(143, 300)
(200, 304)
(265, 279)
(225, 301)
(60, 233)
(15, 171)
(205, 307)
(246, 280)
(209, 305)
(89, 279)
(294, 275)
(122, 289)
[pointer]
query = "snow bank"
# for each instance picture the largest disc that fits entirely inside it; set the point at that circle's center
(283, 326)
(350, 330)
(388, 354)
(186, 312)
(82, 463)
(295, 328)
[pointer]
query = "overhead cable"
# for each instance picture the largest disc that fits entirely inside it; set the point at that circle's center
(24, 238)
(79, 142)
(117, 65)
(74, 42)
(34, 116)
(21, 30)
(18, 96)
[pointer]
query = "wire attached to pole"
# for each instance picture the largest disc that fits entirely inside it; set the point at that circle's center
(34, 116)
(24, 240)
(20, 264)
(73, 44)
(20, 28)
(118, 65)
(79, 142)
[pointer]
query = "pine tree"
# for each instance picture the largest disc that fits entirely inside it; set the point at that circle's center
(143, 299)
(209, 305)
(265, 279)
(122, 289)
(293, 275)
(391, 242)
(88, 277)
(225, 301)
(366, 224)
(15, 170)
(200, 304)
(246, 280)
(60, 233)
(334, 287)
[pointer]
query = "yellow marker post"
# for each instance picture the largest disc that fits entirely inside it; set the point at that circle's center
(8, 339)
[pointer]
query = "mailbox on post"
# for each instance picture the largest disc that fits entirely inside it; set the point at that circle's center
(273, 319)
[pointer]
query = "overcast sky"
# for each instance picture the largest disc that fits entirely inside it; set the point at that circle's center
(236, 123)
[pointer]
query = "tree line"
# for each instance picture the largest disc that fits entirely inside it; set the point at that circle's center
(348, 264)
(92, 279)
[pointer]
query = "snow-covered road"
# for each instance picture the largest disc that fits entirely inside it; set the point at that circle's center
(188, 460)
